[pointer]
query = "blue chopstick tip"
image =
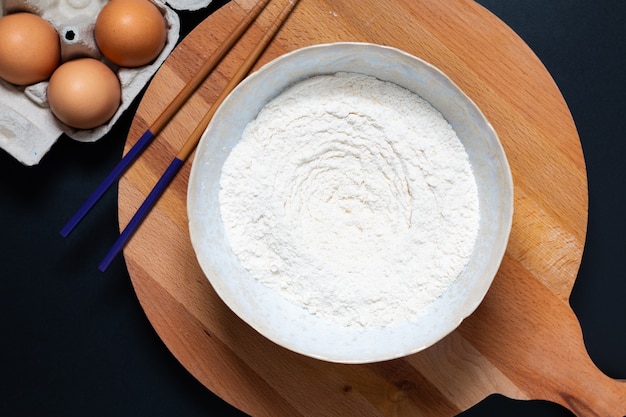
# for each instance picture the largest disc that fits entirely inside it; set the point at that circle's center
(142, 212)
(110, 179)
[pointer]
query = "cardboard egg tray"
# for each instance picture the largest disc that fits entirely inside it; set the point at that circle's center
(27, 127)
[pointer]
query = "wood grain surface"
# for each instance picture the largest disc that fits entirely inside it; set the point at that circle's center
(523, 341)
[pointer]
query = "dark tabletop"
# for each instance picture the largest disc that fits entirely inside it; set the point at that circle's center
(75, 342)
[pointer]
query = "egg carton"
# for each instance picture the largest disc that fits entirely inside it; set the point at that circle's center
(27, 127)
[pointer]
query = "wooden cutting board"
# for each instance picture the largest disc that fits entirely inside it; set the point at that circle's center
(524, 341)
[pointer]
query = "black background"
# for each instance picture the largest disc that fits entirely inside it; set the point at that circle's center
(75, 342)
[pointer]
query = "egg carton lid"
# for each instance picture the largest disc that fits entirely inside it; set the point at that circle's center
(27, 127)
(190, 5)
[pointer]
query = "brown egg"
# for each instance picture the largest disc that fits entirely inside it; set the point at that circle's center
(84, 93)
(130, 33)
(29, 49)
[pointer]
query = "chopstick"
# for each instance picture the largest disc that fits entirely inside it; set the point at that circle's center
(148, 136)
(192, 141)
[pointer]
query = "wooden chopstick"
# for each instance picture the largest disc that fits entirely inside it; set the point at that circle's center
(148, 136)
(194, 138)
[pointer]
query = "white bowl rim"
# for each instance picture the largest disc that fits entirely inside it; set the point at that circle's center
(354, 353)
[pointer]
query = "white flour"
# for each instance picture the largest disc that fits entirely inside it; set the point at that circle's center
(353, 198)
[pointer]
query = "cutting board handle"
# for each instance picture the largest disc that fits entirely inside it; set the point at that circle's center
(597, 396)
(551, 361)
(578, 384)
(570, 377)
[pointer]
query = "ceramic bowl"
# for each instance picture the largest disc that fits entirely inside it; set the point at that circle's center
(265, 309)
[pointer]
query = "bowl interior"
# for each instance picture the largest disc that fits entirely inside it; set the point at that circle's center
(268, 312)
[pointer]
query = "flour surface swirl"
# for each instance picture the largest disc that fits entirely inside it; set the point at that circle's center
(353, 198)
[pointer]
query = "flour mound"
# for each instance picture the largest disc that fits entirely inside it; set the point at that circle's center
(353, 198)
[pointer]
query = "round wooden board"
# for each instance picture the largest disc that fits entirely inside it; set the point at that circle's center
(523, 341)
